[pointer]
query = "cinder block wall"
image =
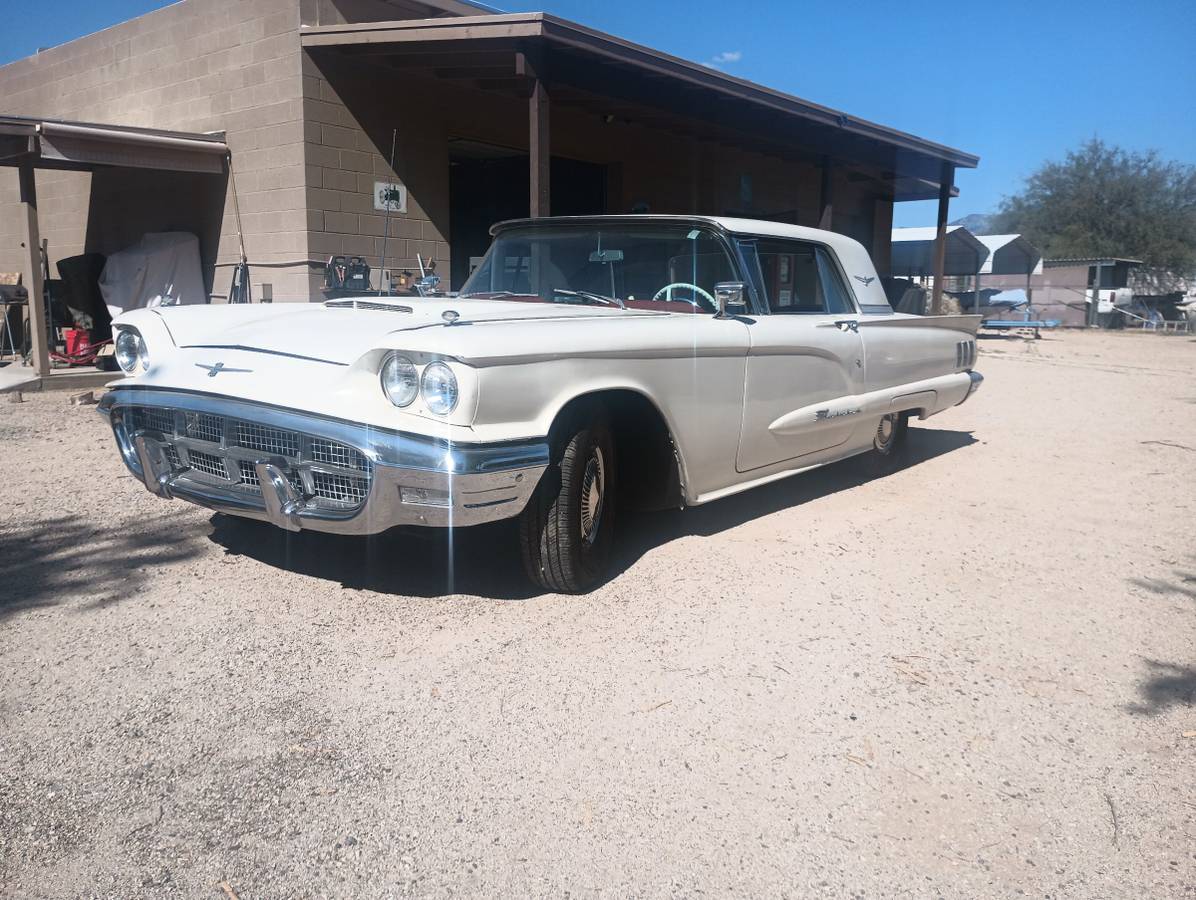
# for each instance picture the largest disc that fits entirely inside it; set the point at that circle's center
(198, 65)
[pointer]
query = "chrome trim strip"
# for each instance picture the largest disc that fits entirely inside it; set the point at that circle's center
(329, 362)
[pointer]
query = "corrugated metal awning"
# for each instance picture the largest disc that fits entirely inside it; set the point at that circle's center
(1010, 254)
(913, 252)
(83, 146)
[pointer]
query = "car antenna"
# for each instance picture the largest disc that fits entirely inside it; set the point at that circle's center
(394, 137)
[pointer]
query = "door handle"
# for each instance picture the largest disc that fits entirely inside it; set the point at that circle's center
(848, 325)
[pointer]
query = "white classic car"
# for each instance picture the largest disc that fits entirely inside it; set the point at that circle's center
(589, 364)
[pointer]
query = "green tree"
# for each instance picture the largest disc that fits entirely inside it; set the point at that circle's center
(1106, 201)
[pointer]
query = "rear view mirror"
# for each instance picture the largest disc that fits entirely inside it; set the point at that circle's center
(606, 256)
(729, 295)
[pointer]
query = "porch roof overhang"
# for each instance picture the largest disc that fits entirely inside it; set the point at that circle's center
(86, 146)
(599, 70)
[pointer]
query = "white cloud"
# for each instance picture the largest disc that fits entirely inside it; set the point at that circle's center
(727, 56)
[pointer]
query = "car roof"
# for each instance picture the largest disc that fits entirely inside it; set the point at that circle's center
(853, 256)
(735, 225)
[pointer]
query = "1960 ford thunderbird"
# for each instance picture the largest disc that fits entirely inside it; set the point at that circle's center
(588, 365)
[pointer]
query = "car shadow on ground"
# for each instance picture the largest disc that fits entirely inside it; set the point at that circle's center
(49, 561)
(484, 561)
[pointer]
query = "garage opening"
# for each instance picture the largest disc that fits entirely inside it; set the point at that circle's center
(489, 184)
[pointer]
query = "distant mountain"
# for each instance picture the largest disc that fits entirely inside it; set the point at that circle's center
(977, 223)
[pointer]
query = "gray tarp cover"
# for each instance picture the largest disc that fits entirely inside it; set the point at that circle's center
(161, 269)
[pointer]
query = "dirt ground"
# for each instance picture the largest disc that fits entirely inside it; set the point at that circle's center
(975, 677)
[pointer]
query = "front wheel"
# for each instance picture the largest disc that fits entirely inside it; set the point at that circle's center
(567, 528)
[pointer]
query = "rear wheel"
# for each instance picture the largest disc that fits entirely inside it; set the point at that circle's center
(888, 445)
(566, 531)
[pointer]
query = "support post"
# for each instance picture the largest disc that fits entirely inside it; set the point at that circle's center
(540, 153)
(940, 238)
(1093, 317)
(976, 298)
(32, 270)
(826, 195)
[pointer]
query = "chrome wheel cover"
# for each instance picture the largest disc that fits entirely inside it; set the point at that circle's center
(885, 432)
(593, 492)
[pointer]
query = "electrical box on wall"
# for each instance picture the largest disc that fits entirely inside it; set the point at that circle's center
(390, 196)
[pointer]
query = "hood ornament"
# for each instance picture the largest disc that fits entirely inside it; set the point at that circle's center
(450, 316)
(215, 370)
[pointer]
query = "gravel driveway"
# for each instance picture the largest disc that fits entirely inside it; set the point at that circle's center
(973, 677)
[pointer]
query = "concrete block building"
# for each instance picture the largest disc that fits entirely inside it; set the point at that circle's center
(491, 116)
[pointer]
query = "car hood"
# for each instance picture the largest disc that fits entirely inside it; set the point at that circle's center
(340, 332)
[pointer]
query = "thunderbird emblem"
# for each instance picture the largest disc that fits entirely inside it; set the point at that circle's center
(865, 280)
(215, 370)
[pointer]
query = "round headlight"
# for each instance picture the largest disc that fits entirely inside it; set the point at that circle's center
(130, 350)
(400, 380)
(440, 388)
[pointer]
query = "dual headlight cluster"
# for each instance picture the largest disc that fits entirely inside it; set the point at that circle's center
(402, 382)
(131, 352)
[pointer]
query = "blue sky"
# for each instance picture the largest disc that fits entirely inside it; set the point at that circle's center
(1014, 83)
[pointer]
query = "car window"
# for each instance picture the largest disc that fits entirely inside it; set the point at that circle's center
(668, 266)
(801, 278)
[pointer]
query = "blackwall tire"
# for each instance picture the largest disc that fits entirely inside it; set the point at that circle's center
(567, 529)
(889, 444)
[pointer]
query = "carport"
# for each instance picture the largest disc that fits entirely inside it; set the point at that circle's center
(1011, 254)
(917, 253)
(29, 144)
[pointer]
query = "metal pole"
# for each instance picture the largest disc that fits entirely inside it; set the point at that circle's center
(39, 333)
(539, 153)
(827, 196)
(394, 139)
(1094, 306)
(940, 238)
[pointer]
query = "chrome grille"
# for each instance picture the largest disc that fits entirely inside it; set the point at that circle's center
(208, 463)
(203, 427)
(267, 439)
(250, 481)
(334, 454)
(249, 475)
(323, 471)
(151, 418)
(340, 488)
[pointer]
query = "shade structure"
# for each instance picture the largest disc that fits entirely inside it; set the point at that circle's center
(1010, 254)
(913, 252)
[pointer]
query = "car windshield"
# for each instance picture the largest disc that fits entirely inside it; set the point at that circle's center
(670, 267)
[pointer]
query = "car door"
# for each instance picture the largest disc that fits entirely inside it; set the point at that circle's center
(805, 364)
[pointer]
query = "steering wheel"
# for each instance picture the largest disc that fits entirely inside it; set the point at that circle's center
(668, 291)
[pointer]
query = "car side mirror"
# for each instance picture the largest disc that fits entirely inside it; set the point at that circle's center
(729, 295)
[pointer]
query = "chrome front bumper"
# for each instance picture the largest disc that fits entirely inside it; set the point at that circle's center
(398, 478)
